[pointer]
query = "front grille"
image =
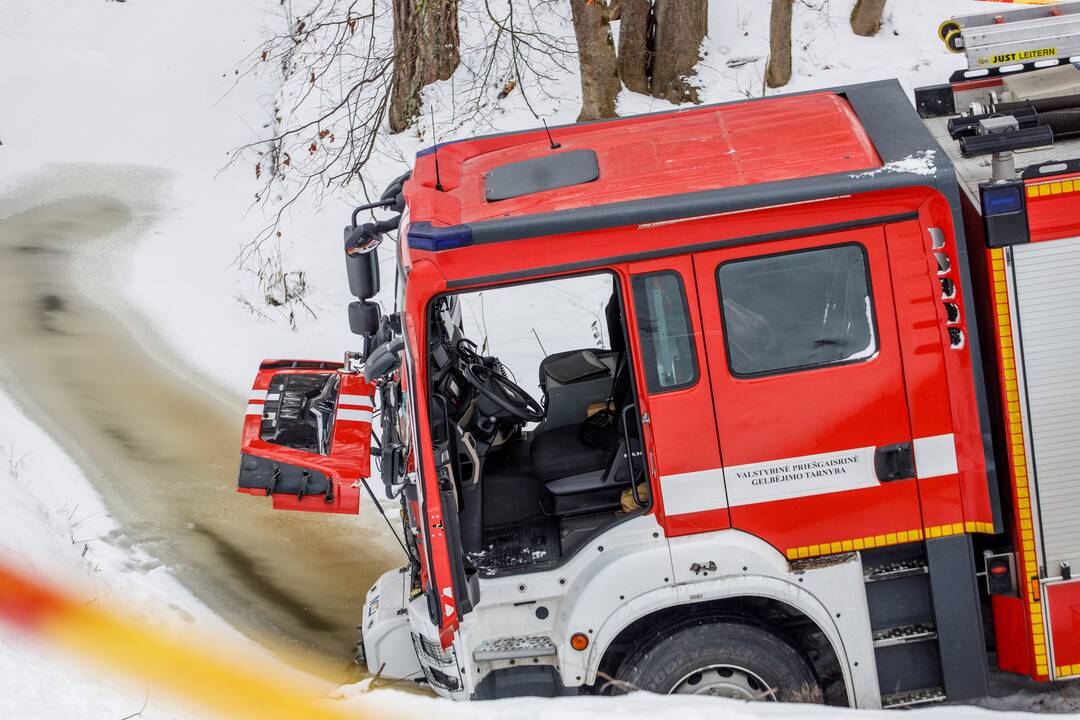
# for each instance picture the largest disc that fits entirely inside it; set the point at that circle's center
(441, 679)
(433, 653)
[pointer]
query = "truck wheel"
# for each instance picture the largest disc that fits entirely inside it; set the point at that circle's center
(727, 659)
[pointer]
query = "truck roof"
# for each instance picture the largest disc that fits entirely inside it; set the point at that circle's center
(667, 166)
(702, 148)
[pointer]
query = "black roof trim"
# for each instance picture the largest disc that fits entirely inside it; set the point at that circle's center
(598, 263)
(683, 207)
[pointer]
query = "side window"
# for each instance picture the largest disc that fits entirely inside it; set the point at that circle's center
(663, 324)
(797, 310)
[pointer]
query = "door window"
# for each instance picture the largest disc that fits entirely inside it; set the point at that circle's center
(663, 324)
(797, 310)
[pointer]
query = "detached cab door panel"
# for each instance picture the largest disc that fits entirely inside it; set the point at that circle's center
(307, 436)
(806, 371)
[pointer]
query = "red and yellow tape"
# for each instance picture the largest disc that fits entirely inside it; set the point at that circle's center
(190, 670)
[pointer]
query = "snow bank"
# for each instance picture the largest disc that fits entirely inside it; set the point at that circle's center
(392, 703)
(56, 526)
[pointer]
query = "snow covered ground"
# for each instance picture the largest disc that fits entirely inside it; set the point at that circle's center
(151, 82)
(56, 526)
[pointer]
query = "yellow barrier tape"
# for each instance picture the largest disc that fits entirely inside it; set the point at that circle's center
(185, 668)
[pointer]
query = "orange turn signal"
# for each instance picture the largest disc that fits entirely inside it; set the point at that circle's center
(579, 641)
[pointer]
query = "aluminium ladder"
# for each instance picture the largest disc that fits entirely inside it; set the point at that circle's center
(994, 39)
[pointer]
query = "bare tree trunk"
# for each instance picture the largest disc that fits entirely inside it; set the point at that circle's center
(681, 25)
(596, 56)
(778, 73)
(635, 44)
(425, 50)
(866, 17)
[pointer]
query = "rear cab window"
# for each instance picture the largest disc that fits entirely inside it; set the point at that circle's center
(797, 311)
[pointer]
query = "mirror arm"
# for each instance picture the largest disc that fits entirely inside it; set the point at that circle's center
(383, 203)
(384, 359)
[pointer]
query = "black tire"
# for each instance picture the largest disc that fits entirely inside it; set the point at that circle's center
(669, 663)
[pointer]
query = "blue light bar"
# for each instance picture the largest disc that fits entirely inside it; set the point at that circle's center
(1003, 200)
(424, 236)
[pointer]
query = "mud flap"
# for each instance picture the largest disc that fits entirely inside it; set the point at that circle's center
(307, 436)
(1062, 598)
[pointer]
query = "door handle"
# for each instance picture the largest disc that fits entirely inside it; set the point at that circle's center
(894, 462)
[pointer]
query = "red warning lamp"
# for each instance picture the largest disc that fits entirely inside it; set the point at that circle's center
(1000, 574)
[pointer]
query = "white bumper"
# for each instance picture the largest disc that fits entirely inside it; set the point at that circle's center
(388, 647)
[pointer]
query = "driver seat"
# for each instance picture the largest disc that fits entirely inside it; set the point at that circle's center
(583, 469)
(583, 465)
(561, 452)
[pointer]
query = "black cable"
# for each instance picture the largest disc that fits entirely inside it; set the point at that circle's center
(382, 512)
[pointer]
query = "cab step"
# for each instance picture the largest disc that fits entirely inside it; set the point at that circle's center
(515, 648)
(913, 698)
(896, 570)
(904, 634)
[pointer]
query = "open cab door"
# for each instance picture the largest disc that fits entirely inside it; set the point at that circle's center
(307, 436)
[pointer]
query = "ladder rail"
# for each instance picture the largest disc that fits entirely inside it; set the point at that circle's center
(995, 39)
(1010, 16)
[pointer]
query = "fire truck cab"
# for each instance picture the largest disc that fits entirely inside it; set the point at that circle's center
(721, 401)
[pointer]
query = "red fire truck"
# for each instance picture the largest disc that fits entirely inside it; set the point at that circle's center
(820, 446)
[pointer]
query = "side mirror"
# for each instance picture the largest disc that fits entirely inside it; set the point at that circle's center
(384, 360)
(362, 262)
(364, 318)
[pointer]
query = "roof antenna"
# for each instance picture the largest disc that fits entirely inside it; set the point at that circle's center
(554, 145)
(438, 181)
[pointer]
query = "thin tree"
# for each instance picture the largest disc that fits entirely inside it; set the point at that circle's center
(425, 50)
(635, 44)
(681, 25)
(778, 72)
(596, 57)
(866, 17)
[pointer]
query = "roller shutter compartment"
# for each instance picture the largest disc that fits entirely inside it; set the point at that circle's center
(1047, 277)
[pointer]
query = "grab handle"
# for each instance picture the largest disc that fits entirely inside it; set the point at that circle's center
(629, 454)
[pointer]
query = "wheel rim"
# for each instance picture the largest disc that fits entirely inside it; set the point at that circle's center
(730, 681)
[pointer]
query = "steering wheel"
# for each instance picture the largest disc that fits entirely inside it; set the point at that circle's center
(502, 392)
